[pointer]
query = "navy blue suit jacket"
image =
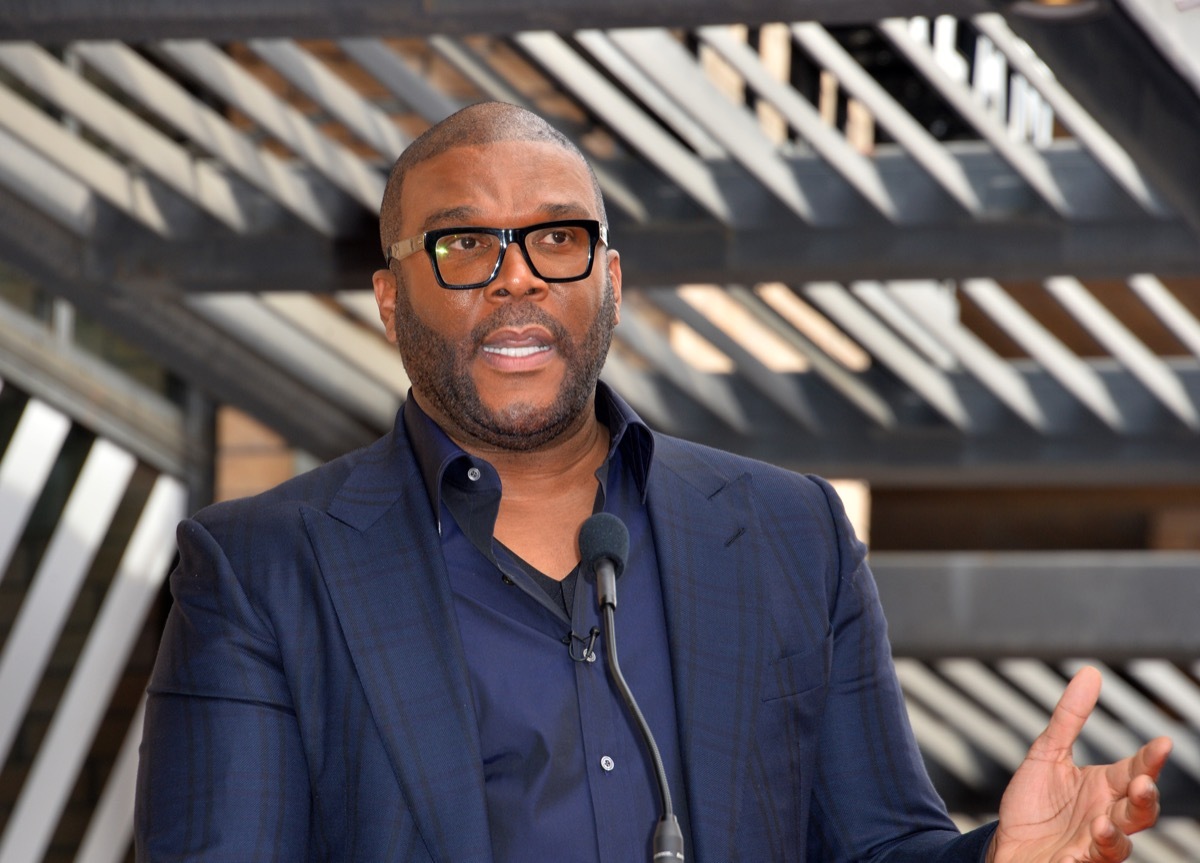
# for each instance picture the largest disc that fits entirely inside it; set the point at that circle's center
(311, 699)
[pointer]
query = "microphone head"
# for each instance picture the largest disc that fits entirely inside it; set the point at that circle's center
(602, 536)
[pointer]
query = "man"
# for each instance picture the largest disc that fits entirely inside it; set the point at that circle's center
(388, 658)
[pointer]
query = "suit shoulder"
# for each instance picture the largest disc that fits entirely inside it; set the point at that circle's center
(688, 458)
(314, 488)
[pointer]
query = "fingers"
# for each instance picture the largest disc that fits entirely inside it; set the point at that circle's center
(1151, 758)
(1133, 779)
(1071, 712)
(1109, 844)
(1139, 808)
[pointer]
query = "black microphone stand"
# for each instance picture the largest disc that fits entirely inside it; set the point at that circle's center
(667, 844)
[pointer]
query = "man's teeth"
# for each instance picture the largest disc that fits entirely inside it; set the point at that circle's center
(516, 352)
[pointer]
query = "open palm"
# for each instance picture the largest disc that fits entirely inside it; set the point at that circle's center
(1055, 812)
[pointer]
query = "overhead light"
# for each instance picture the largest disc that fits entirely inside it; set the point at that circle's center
(1057, 10)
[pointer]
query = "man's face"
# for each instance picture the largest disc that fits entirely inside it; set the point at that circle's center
(512, 365)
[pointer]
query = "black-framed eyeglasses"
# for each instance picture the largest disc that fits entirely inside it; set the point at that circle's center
(470, 257)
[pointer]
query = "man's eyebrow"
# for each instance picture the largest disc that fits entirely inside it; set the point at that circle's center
(449, 216)
(566, 211)
(468, 215)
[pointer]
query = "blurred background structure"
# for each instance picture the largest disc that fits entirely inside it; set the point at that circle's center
(947, 253)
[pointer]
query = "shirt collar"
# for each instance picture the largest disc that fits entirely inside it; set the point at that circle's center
(436, 453)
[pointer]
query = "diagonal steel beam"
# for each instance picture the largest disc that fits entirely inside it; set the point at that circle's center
(1135, 94)
(333, 94)
(1029, 163)
(309, 196)
(196, 180)
(233, 83)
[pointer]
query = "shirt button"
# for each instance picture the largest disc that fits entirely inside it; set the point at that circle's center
(607, 763)
(473, 474)
(591, 656)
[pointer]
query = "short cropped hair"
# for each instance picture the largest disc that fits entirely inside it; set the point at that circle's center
(476, 125)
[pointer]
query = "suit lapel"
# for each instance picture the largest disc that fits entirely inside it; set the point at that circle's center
(378, 550)
(704, 528)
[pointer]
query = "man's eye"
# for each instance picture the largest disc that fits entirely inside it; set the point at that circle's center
(556, 238)
(459, 244)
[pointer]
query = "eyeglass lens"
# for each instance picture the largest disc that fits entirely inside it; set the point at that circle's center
(558, 252)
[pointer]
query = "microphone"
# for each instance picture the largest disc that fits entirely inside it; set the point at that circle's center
(603, 547)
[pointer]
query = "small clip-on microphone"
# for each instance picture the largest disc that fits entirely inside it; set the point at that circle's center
(603, 548)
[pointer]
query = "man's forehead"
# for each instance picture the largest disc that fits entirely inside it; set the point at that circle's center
(484, 155)
(470, 179)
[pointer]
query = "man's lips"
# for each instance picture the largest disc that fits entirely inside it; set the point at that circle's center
(515, 352)
(518, 344)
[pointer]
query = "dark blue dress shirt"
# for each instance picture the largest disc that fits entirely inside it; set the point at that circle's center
(567, 776)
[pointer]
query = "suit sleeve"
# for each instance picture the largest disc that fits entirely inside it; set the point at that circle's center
(873, 799)
(222, 773)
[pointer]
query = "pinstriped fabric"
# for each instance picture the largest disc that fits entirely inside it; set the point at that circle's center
(796, 742)
(282, 756)
(311, 700)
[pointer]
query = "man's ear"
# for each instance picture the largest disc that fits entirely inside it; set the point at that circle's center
(614, 274)
(384, 282)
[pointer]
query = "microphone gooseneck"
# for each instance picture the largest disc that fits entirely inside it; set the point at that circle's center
(603, 548)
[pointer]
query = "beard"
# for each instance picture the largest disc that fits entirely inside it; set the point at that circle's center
(440, 370)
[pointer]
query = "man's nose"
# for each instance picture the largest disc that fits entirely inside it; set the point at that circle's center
(515, 277)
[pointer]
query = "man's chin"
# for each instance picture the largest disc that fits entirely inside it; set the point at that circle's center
(525, 425)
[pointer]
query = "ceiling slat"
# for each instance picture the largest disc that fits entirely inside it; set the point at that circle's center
(265, 332)
(889, 113)
(235, 85)
(308, 197)
(713, 392)
(976, 357)
(1174, 315)
(1027, 162)
(858, 170)
(780, 390)
(124, 189)
(968, 719)
(1155, 374)
(626, 119)
(333, 94)
(666, 110)
(1071, 114)
(855, 390)
(1077, 377)
(404, 83)
(149, 149)
(933, 386)
(665, 61)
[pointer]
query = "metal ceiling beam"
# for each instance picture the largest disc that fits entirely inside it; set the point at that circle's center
(105, 401)
(695, 252)
(926, 450)
(1135, 94)
(688, 247)
(220, 365)
(138, 20)
(1108, 605)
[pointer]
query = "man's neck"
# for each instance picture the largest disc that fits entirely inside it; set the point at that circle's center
(546, 492)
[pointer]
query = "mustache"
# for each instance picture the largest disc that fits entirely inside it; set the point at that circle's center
(517, 315)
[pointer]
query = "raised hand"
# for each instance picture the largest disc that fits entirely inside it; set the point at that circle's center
(1055, 812)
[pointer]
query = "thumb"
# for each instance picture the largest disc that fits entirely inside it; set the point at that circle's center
(1069, 716)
